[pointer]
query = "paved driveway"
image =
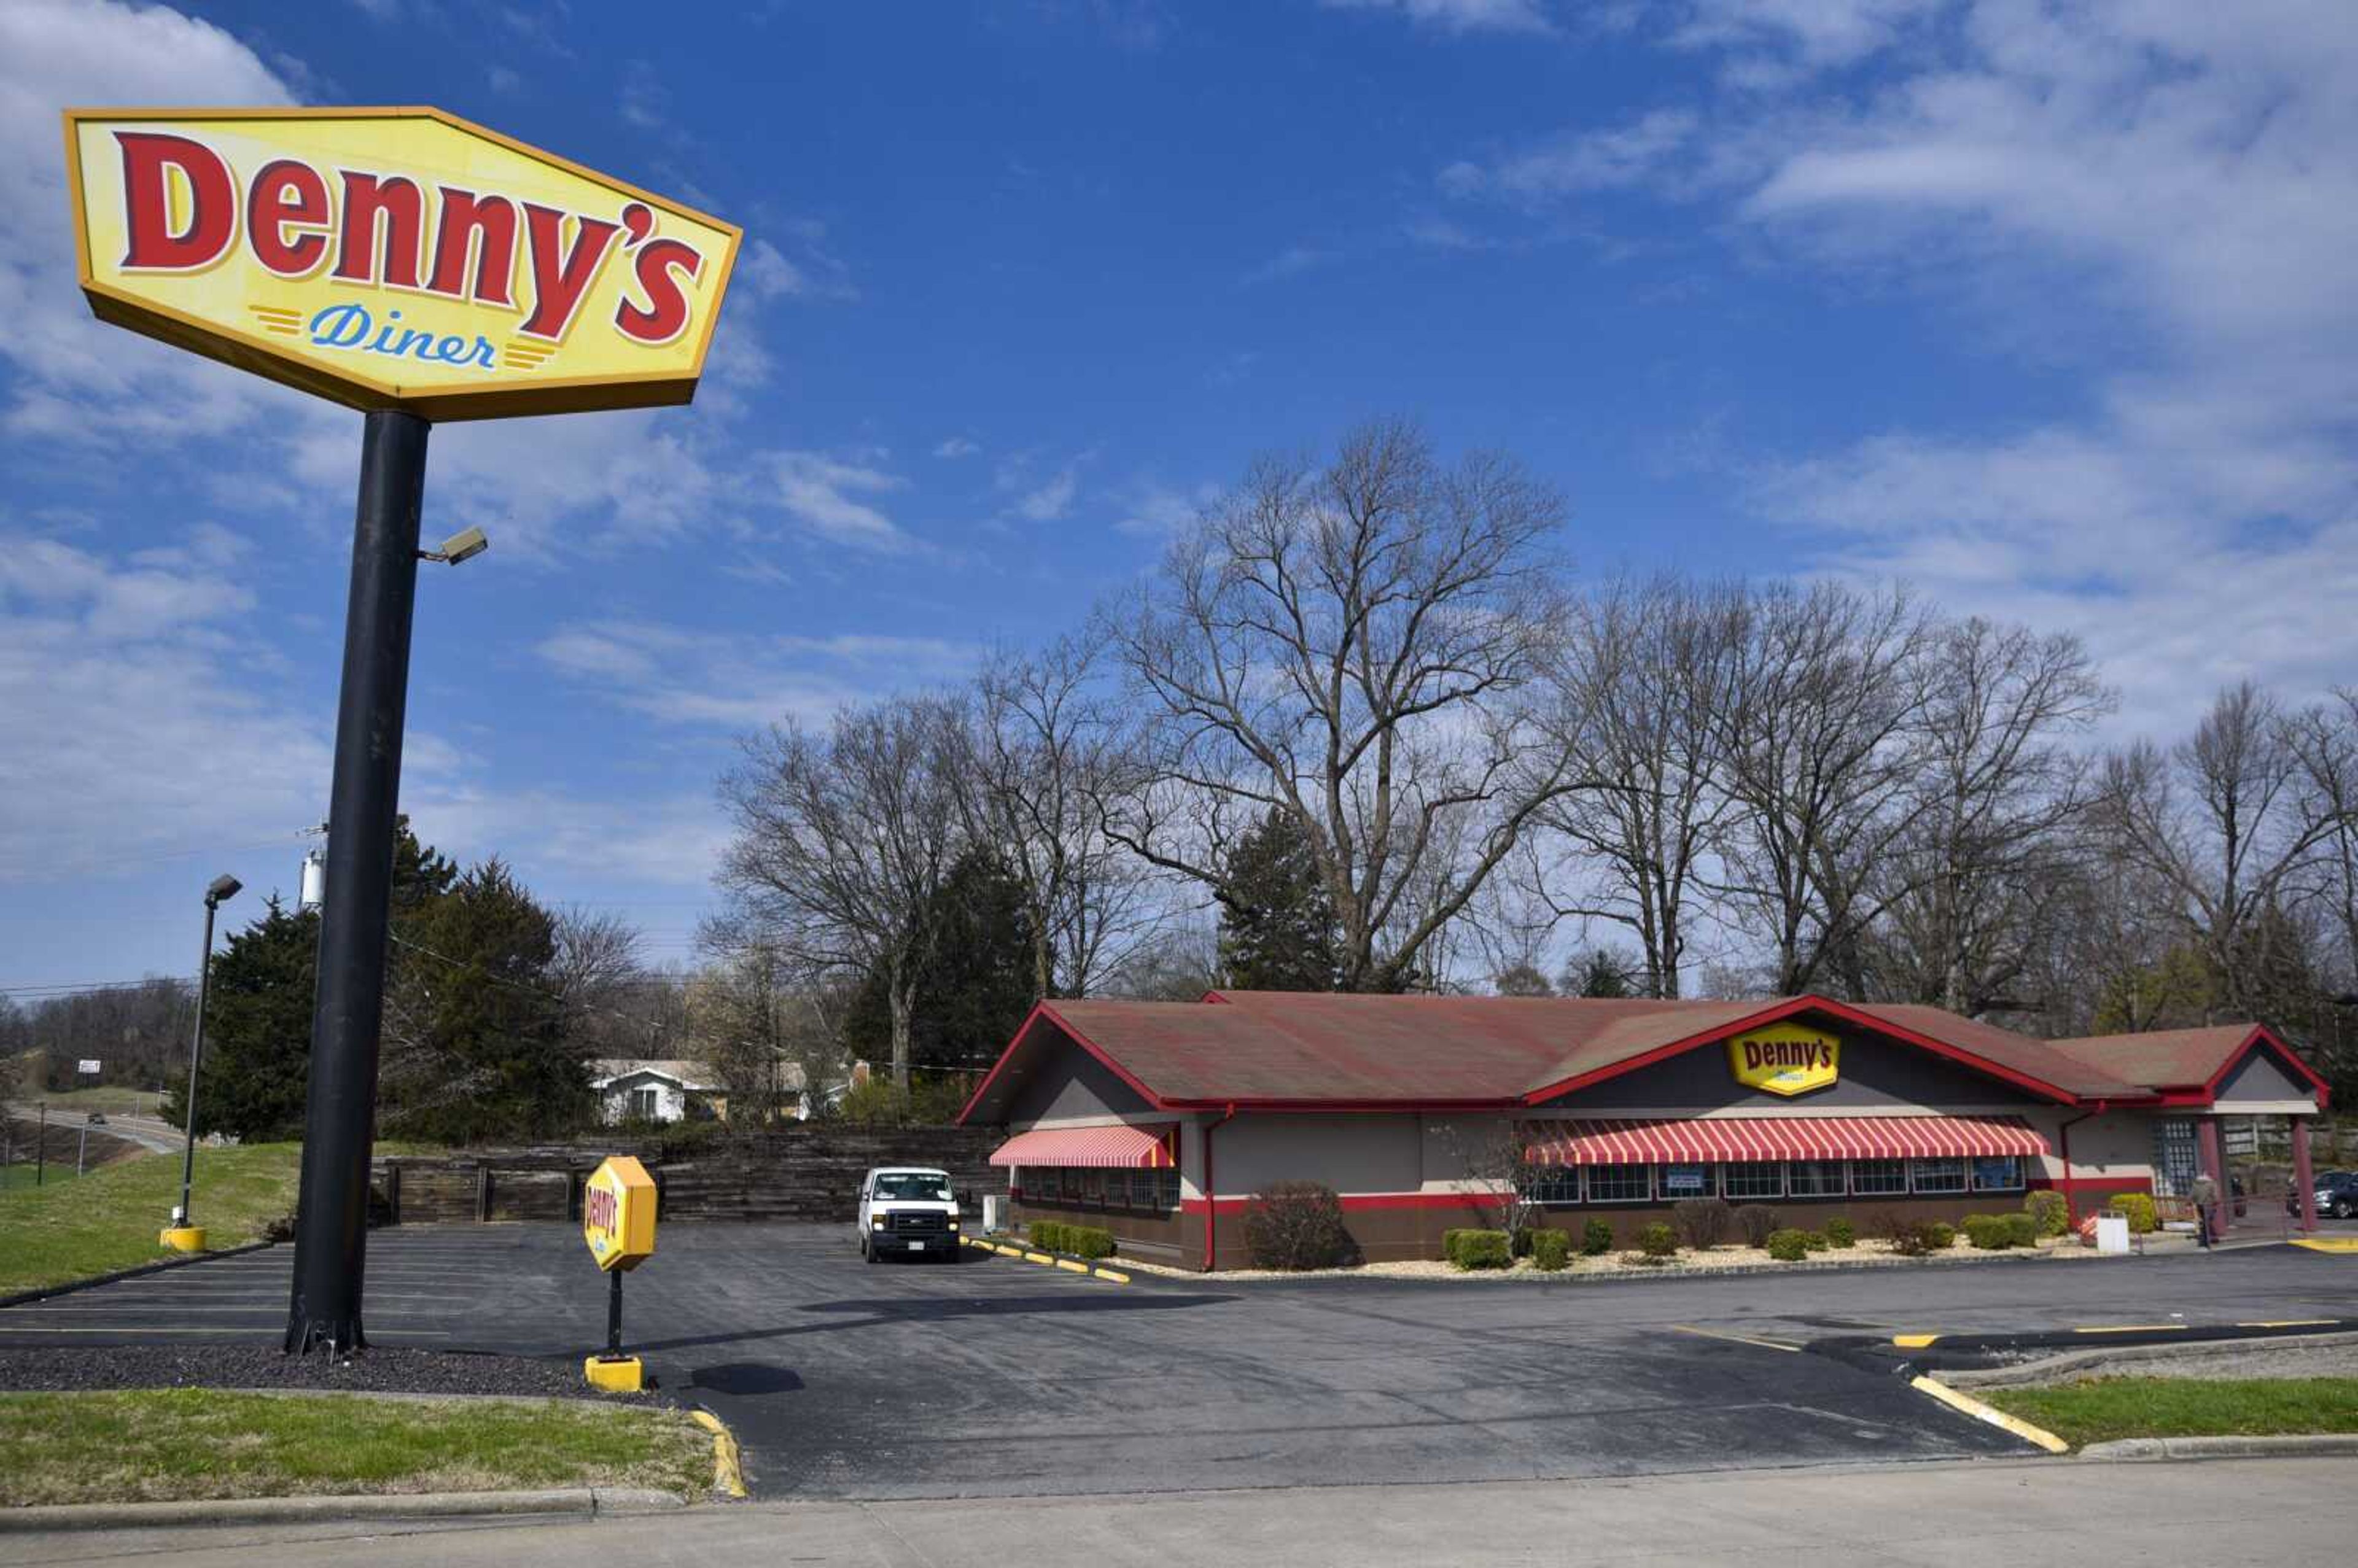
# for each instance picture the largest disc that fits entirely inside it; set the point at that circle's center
(993, 1376)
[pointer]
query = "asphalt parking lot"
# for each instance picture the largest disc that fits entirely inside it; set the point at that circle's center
(997, 1378)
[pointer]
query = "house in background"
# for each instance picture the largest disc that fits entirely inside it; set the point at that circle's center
(656, 1089)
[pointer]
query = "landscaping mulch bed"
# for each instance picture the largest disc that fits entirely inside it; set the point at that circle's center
(402, 1371)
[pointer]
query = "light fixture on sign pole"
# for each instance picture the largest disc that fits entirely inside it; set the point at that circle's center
(418, 267)
(181, 1235)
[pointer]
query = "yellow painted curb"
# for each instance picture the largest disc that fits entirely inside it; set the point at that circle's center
(1914, 1341)
(2328, 1244)
(1116, 1275)
(1037, 1258)
(1992, 1414)
(1076, 1267)
(2135, 1328)
(2293, 1323)
(728, 1470)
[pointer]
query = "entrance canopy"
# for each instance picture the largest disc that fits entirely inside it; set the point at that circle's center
(1094, 1148)
(1622, 1143)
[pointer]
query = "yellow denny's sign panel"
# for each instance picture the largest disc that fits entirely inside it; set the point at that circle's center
(1785, 1059)
(618, 1213)
(394, 258)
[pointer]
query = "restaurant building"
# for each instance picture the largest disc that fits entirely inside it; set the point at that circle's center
(1159, 1121)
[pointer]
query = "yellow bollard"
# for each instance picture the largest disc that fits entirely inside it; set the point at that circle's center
(183, 1237)
(615, 1374)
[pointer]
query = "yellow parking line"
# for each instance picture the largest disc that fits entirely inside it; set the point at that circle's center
(1736, 1339)
(2135, 1328)
(1992, 1414)
(2293, 1323)
(2328, 1244)
(1914, 1341)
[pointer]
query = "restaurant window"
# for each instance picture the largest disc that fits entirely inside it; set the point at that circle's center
(1752, 1178)
(1166, 1188)
(1998, 1173)
(1093, 1187)
(1686, 1182)
(1552, 1184)
(1814, 1178)
(1878, 1178)
(1619, 1184)
(1946, 1174)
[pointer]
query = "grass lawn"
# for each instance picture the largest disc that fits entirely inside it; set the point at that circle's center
(156, 1444)
(2098, 1409)
(108, 1098)
(14, 1176)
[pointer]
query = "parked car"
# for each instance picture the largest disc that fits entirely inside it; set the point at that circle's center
(98, 1119)
(907, 1211)
(2337, 1194)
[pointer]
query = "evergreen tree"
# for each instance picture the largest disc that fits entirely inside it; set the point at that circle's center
(1601, 974)
(1278, 930)
(256, 1071)
(976, 985)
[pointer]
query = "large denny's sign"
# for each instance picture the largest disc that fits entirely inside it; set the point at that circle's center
(1786, 1059)
(394, 258)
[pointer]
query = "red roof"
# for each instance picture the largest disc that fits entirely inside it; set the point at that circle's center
(1584, 1141)
(1340, 1050)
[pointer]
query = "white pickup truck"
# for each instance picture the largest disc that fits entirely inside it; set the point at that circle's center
(907, 1211)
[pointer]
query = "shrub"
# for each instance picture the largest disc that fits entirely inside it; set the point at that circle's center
(1816, 1240)
(2022, 1229)
(1522, 1241)
(1990, 1232)
(2050, 1212)
(1088, 1241)
(1659, 1242)
(1449, 1243)
(1841, 1234)
(1756, 1221)
(1787, 1246)
(1702, 1222)
(1914, 1238)
(1941, 1234)
(2138, 1206)
(1298, 1225)
(1595, 1239)
(1048, 1236)
(1551, 1249)
(1484, 1250)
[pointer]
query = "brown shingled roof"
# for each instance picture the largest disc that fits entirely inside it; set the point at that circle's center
(2165, 1058)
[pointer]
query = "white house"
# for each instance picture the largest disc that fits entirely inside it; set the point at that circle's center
(649, 1090)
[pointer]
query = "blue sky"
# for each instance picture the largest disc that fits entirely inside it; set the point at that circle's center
(2046, 310)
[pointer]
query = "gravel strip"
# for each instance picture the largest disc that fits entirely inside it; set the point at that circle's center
(259, 1367)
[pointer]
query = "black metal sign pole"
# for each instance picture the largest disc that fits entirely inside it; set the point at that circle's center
(338, 1123)
(614, 1313)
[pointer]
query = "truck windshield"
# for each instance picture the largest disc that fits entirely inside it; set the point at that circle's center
(922, 1185)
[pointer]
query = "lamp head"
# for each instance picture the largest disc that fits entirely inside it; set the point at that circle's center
(221, 889)
(463, 545)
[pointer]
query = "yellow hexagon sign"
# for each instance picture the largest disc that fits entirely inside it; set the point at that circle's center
(618, 1213)
(394, 258)
(1785, 1059)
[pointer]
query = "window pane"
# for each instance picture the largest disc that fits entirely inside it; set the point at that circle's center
(1686, 1181)
(1619, 1184)
(1753, 1179)
(1554, 1183)
(1166, 1189)
(1814, 1178)
(1876, 1178)
(1998, 1173)
(1942, 1175)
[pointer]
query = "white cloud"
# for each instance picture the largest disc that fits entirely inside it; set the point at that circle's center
(822, 493)
(957, 446)
(1599, 159)
(769, 273)
(1035, 497)
(1291, 261)
(1155, 511)
(1460, 15)
(691, 677)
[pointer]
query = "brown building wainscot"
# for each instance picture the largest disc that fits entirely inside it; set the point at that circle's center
(1160, 1122)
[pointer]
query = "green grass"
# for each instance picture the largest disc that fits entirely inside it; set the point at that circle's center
(108, 1098)
(12, 1176)
(2099, 1410)
(156, 1445)
(109, 1219)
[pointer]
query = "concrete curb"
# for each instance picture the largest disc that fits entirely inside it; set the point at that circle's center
(25, 1298)
(1055, 1260)
(2322, 1445)
(572, 1501)
(2031, 1372)
(2094, 1336)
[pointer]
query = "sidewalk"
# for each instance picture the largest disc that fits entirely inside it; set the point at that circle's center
(2245, 1511)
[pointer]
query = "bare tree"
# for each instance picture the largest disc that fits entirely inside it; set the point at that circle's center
(596, 975)
(842, 843)
(1045, 747)
(1821, 748)
(1984, 861)
(1347, 644)
(2229, 824)
(1638, 704)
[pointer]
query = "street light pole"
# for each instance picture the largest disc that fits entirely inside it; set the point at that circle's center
(223, 887)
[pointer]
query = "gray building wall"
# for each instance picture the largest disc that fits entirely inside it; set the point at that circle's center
(1073, 1086)
(2264, 1079)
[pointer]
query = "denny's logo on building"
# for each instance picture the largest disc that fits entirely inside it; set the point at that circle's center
(399, 258)
(1785, 1059)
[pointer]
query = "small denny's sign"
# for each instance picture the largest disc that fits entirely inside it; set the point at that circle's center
(394, 258)
(1785, 1059)
(618, 1213)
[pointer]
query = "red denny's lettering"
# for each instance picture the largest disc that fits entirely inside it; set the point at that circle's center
(1762, 1054)
(185, 210)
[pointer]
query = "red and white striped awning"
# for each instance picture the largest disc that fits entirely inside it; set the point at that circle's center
(1583, 1141)
(1098, 1148)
